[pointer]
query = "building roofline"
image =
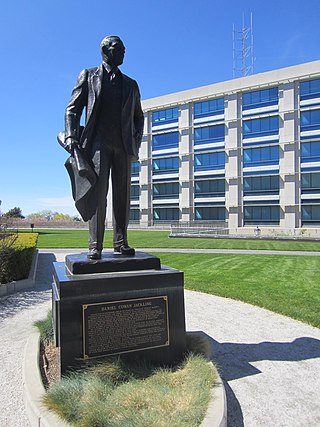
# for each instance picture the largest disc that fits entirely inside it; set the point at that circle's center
(261, 80)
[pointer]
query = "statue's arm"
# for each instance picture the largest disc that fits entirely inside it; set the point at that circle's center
(75, 107)
(138, 118)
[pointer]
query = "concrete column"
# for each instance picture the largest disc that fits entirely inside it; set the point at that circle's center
(233, 162)
(288, 164)
(145, 173)
(186, 170)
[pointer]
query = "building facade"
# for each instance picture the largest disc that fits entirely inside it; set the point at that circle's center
(244, 152)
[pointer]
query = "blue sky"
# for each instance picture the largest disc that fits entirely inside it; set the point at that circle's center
(170, 46)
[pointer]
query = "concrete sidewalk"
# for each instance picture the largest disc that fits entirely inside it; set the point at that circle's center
(198, 251)
(270, 363)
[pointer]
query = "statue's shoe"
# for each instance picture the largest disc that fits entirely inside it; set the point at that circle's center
(125, 250)
(94, 253)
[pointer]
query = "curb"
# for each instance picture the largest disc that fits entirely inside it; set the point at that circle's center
(216, 415)
(20, 285)
(33, 389)
(38, 416)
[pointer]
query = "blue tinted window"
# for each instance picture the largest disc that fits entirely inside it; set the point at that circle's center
(310, 89)
(265, 184)
(260, 98)
(209, 108)
(310, 151)
(134, 214)
(169, 115)
(165, 140)
(310, 182)
(165, 190)
(207, 161)
(209, 134)
(209, 187)
(310, 214)
(165, 214)
(309, 120)
(261, 127)
(165, 165)
(135, 168)
(261, 214)
(210, 213)
(261, 156)
(134, 192)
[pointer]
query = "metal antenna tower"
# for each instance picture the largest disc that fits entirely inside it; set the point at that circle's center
(243, 50)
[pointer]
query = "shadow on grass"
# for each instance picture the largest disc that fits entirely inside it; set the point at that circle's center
(233, 361)
(12, 304)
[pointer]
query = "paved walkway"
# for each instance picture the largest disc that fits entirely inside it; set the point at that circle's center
(202, 251)
(270, 363)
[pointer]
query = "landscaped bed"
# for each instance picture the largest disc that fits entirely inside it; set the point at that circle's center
(115, 392)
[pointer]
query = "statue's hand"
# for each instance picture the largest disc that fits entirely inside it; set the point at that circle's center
(71, 143)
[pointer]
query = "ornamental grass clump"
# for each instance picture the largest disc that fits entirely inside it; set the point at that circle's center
(119, 394)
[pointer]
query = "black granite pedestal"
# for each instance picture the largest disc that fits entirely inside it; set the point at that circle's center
(137, 311)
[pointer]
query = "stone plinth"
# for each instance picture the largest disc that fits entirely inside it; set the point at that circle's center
(134, 313)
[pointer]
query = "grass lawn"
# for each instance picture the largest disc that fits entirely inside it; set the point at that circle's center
(159, 239)
(289, 285)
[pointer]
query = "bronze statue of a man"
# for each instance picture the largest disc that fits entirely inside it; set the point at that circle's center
(110, 140)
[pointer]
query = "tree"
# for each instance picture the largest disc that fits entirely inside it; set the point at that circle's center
(14, 213)
(42, 215)
(62, 217)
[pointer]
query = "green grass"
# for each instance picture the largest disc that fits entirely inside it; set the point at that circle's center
(45, 329)
(159, 239)
(288, 285)
(118, 394)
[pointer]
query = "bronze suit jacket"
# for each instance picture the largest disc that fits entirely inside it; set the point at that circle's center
(86, 94)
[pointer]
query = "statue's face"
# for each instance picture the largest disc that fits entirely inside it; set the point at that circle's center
(114, 53)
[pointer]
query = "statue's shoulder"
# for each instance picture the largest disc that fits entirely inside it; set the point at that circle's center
(129, 80)
(91, 71)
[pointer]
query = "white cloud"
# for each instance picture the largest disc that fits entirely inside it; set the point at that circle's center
(55, 202)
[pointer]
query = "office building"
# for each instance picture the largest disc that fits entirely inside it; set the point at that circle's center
(243, 153)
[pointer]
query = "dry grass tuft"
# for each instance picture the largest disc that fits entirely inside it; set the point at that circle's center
(116, 394)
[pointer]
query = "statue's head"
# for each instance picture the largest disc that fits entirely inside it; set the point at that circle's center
(112, 50)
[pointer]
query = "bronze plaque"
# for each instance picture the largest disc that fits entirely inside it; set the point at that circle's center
(125, 326)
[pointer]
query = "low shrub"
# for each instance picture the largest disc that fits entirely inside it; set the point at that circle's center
(16, 253)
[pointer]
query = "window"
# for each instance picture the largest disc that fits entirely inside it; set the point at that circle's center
(134, 192)
(208, 161)
(261, 127)
(210, 213)
(261, 214)
(170, 115)
(310, 151)
(261, 156)
(310, 182)
(135, 169)
(260, 98)
(310, 89)
(134, 215)
(208, 134)
(165, 214)
(309, 120)
(165, 140)
(209, 108)
(166, 190)
(260, 185)
(209, 187)
(165, 165)
(310, 214)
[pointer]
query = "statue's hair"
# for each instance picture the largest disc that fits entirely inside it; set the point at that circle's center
(107, 40)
